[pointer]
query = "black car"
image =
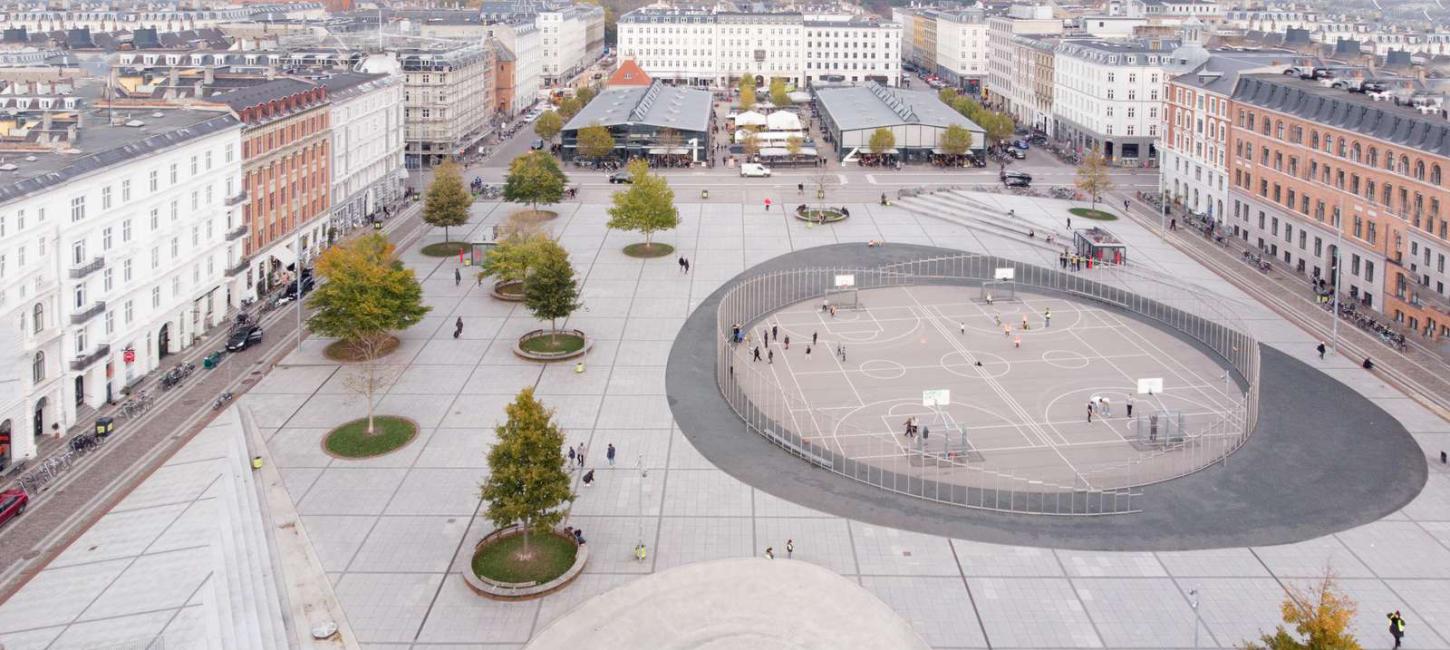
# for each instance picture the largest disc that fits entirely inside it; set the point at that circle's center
(308, 284)
(244, 337)
(537, 144)
(1016, 179)
(621, 177)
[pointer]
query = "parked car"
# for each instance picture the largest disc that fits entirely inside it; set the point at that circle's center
(1017, 153)
(308, 284)
(244, 337)
(12, 504)
(537, 144)
(754, 169)
(1016, 179)
(621, 177)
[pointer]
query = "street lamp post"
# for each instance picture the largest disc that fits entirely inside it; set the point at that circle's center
(1193, 594)
(642, 474)
(1334, 278)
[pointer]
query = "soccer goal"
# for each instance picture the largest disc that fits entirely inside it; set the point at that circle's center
(1160, 427)
(844, 298)
(997, 290)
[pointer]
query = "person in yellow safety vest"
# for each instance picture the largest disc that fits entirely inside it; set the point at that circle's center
(256, 462)
(1397, 626)
(639, 552)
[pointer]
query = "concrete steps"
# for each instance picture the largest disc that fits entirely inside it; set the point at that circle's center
(965, 211)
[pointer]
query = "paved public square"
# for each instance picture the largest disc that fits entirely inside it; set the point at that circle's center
(394, 533)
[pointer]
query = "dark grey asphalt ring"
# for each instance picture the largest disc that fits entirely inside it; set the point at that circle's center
(1323, 459)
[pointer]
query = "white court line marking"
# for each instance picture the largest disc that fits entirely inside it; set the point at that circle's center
(785, 358)
(1218, 396)
(1026, 418)
(1158, 397)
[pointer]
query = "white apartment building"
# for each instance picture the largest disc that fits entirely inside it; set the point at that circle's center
(524, 40)
(1273, 21)
(113, 260)
(961, 47)
(1001, 58)
(367, 145)
(1196, 125)
(447, 101)
(571, 38)
(1108, 96)
(700, 48)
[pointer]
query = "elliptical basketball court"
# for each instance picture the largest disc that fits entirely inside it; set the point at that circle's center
(996, 386)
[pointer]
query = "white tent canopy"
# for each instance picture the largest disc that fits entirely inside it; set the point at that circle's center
(783, 121)
(800, 97)
(750, 118)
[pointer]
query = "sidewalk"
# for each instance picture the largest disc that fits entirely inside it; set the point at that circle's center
(74, 500)
(1420, 372)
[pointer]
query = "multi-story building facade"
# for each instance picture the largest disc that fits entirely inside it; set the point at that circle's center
(286, 178)
(522, 39)
(448, 101)
(951, 44)
(367, 146)
(571, 38)
(162, 19)
(1002, 57)
(1108, 95)
(1196, 123)
(1034, 86)
(1324, 178)
(112, 260)
(701, 48)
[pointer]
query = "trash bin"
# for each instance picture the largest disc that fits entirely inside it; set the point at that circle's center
(104, 426)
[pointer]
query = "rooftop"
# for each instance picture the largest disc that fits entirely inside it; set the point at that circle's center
(346, 84)
(873, 105)
(256, 95)
(659, 105)
(103, 141)
(1220, 73)
(1337, 108)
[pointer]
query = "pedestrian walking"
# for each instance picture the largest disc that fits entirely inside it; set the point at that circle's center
(1006, 330)
(1130, 406)
(808, 353)
(1321, 350)
(458, 328)
(1017, 341)
(1397, 626)
(582, 450)
(757, 353)
(1024, 321)
(813, 338)
(775, 332)
(1047, 317)
(609, 454)
(687, 265)
(571, 456)
(770, 356)
(680, 262)
(787, 341)
(1125, 205)
(589, 478)
(789, 548)
(1069, 223)
(769, 553)
(964, 328)
(639, 552)
(457, 277)
(1090, 412)
(765, 334)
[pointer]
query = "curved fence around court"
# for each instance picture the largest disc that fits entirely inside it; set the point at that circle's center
(947, 475)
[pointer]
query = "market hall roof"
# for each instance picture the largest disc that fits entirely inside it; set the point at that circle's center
(658, 105)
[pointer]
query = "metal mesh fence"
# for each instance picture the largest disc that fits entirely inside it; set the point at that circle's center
(940, 469)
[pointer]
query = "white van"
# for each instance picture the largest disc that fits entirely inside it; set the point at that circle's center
(754, 169)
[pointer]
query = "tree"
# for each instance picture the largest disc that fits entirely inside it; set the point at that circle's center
(570, 107)
(1321, 615)
(595, 141)
(947, 96)
(669, 140)
(447, 201)
(527, 482)
(548, 125)
(551, 291)
(366, 295)
(1092, 176)
(882, 140)
(534, 178)
(793, 145)
(747, 91)
(999, 126)
(751, 142)
(647, 206)
(778, 94)
(586, 95)
(956, 140)
(512, 258)
(969, 108)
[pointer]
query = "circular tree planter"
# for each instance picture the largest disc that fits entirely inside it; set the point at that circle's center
(444, 248)
(340, 351)
(559, 559)
(1096, 215)
(648, 251)
(819, 215)
(508, 290)
(533, 216)
(352, 440)
(543, 345)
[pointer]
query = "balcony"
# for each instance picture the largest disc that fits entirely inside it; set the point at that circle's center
(81, 363)
(235, 200)
(237, 233)
(94, 265)
(96, 309)
(239, 268)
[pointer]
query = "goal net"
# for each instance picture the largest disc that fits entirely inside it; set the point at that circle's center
(843, 298)
(1160, 427)
(997, 290)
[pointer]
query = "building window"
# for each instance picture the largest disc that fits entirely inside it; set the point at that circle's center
(38, 319)
(37, 367)
(77, 208)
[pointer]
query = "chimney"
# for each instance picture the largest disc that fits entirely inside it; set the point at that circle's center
(209, 76)
(171, 76)
(45, 121)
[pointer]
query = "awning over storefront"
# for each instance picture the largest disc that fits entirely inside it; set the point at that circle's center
(671, 151)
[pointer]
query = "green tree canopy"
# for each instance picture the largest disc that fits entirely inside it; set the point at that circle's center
(527, 482)
(548, 125)
(446, 203)
(969, 108)
(747, 91)
(534, 178)
(586, 94)
(882, 140)
(793, 144)
(511, 259)
(647, 206)
(1092, 176)
(570, 107)
(750, 143)
(779, 95)
(956, 140)
(999, 126)
(1321, 615)
(947, 96)
(550, 290)
(595, 141)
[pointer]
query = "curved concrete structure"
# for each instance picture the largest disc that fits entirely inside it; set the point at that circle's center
(1323, 458)
(750, 603)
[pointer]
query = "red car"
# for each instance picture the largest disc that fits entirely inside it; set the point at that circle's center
(12, 504)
